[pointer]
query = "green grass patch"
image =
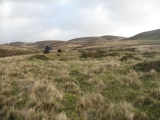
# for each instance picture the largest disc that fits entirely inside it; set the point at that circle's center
(70, 105)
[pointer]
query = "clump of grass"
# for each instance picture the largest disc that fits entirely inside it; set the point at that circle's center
(92, 100)
(149, 54)
(71, 87)
(62, 116)
(113, 54)
(97, 69)
(63, 59)
(130, 49)
(100, 85)
(147, 66)
(101, 51)
(97, 54)
(129, 57)
(39, 57)
(156, 93)
(85, 54)
(128, 81)
(93, 107)
(124, 111)
(127, 49)
(143, 101)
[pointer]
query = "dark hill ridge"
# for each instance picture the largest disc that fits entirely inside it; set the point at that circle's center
(84, 41)
(98, 38)
(43, 44)
(149, 35)
(18, 43)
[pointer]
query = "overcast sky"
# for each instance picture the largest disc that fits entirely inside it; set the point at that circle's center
(36, 20)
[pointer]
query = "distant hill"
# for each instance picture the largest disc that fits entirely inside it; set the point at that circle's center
(18, 44)
(43, 44)
(149, 35)
(97, 38)
(77, 42)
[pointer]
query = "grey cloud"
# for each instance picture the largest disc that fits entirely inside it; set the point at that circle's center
(130, 9)
(66, 19)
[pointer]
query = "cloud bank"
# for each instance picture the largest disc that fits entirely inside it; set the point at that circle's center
(37, 20)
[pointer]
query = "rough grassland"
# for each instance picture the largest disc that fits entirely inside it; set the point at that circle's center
(6, 51)
(69, 86)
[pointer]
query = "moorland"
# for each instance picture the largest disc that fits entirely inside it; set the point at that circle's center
(104, 80)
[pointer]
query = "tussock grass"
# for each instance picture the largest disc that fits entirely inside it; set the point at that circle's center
(39, 57)
(62, 116)
(148, 66)
(127, 49)
(150, 54)
(97, 54)
(129, 57)
(69, 87)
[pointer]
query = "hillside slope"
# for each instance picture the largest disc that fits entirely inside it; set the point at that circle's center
(149, 35)
(82, 42)
(6, 51)
(98, 38)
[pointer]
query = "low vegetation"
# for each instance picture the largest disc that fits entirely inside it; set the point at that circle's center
(6, 51)
(39, 57)
(148, 66)
(127, 57)
(150, 54)
(85, 85)
(97, 54)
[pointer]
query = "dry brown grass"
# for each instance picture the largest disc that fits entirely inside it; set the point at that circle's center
(79, 88)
